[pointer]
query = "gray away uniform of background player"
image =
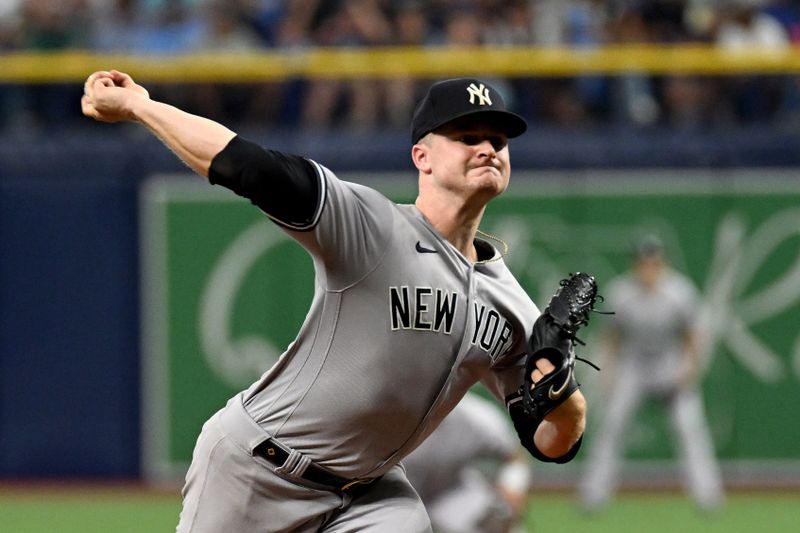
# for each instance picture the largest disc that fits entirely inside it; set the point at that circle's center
(651, 328)
(467, 469)
(400, 327)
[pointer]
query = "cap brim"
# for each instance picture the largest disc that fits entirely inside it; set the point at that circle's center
(509, 123)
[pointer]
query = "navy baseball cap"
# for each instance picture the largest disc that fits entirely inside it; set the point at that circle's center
(451, 99)
(649, 246)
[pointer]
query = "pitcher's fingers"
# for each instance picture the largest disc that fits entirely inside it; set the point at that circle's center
(86, 106)
(121, 78)
(536, 375)
(97, 84)
(88, 86)
(89, 110)
(96, 75)
(544, 366)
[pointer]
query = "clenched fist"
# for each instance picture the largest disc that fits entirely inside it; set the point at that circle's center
(108, 96)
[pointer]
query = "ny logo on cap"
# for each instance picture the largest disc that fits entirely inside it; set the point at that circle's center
(481, 92)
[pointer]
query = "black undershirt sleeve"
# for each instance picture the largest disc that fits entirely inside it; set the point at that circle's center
(286, 187)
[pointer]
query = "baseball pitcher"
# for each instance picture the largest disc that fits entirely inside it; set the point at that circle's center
(411, 308)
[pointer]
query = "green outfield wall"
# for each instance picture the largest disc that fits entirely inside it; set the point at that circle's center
(224, 291)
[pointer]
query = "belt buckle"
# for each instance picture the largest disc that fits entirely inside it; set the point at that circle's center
(361, 481)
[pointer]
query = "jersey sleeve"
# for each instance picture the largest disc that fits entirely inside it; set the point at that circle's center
(341, 224)
(504, 381)
(353, 230)
(614, 299)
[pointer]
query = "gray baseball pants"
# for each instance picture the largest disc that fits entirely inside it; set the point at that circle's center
(701, 472)
(228, 489)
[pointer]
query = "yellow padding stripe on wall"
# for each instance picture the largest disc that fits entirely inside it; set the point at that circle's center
(344, 63)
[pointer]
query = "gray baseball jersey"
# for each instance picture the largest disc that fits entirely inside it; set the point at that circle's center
(400, 327)
(652, 324)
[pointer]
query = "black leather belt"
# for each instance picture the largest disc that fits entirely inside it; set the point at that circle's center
(277, 455)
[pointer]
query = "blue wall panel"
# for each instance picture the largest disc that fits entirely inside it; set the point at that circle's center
(69, 374)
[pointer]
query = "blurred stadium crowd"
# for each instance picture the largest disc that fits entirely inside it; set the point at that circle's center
(190, 26)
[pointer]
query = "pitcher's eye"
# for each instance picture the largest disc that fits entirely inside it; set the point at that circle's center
(470, 140)
(497, 142)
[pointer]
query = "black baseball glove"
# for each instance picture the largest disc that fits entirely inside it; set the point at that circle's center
(553, 339)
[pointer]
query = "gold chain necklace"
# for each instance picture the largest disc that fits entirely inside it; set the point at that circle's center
(503, 243)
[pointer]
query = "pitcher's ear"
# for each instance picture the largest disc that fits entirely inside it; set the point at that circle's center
(420, 155)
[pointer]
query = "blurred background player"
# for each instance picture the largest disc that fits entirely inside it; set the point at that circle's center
(470, 472)
(652, 352)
